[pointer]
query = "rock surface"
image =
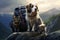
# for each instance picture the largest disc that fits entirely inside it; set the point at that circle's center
(24, 36)
(53, 36)
(34, 36)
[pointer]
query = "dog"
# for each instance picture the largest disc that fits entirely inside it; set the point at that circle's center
(14, 24)
(18, 24)
(34, 22)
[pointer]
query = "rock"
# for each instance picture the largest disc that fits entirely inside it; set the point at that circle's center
(23, 36)
(53, 36)
(34, 36)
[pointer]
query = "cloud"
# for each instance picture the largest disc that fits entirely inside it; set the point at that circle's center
(44, 5)
(9, 5)
(4, 3)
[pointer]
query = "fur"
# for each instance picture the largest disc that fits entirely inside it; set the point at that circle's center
(31, 16)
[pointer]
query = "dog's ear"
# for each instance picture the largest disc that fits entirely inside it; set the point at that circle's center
(31, 5)
(37, 8)
(27, 6)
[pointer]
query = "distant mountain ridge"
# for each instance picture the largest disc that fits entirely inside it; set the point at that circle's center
(5, 19)
(4, 32)
(49, 13)
(56, 26)
(5, 29)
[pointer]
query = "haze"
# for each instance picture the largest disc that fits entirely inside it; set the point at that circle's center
(44, 5)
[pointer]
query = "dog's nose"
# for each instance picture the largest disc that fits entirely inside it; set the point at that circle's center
(35, 9)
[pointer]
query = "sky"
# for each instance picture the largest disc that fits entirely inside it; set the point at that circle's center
(7, 6)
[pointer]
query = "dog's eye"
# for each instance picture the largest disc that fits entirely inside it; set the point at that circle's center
(32, 6)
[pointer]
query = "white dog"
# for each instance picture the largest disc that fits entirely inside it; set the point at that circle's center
(33, 18)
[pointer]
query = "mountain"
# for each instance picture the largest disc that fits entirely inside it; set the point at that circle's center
(5, 29)
(49, 13)
(4, 32)
(56, 24)
(6, 19)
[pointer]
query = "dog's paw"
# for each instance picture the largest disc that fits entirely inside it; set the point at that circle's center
(28, 30)
(41, 25)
